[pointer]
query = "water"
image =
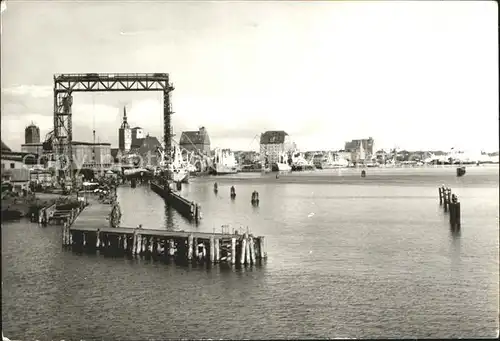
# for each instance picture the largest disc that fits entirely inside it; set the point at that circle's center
(376, 259)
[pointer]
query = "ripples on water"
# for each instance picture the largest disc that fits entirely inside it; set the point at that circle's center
(377, 259)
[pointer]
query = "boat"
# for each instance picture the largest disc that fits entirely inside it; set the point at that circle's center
(282, 164)
(299, 163)
(177, 167)
(224, 162)
(329, 160)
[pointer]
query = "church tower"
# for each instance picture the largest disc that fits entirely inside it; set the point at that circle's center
(124, 134)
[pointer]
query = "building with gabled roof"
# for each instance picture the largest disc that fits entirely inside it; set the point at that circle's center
(195, 141)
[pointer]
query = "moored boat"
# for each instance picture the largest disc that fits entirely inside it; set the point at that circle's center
(224, 162)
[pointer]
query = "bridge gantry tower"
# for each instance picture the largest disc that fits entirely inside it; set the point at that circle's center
(66, 84)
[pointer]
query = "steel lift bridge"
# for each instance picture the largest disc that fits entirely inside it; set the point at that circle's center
(66, 84)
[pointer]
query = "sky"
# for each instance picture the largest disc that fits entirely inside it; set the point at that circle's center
(413, 75)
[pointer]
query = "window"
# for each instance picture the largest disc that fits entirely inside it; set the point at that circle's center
(12, 165)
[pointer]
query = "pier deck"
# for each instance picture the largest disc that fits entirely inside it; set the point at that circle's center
(150, 232)
(91, 231)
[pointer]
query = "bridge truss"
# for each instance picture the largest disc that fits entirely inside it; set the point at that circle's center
(66, 84)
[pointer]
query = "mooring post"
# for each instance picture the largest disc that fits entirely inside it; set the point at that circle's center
(262, 247)
(440, 190)
(233, 250)
(445, 200)
(457, 214)
(451, 209)
(212, 249)
(217, 250)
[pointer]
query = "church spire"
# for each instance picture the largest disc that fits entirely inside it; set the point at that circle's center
(125, 123)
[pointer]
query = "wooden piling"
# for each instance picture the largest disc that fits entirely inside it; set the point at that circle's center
(252, 249)
(190, 248)
(451, 210)
(196, 249)
(212, 249)
(171, 248)
(445, 200)
(134, 243)
(139, 244)
(262, 248)
(441, 190)
(243, 243)
(457, 215)
(217, 250)
(98, 240)
(233, 250)
(247, 248)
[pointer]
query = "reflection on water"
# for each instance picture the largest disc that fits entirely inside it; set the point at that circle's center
(374, 260)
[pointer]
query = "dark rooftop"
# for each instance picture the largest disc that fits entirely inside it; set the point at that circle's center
(5, 147)
(194, 137)
(273, 136)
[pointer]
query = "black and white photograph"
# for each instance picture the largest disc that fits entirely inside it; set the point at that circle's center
(249, 170)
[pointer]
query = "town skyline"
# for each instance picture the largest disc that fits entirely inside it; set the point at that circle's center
(422, 77)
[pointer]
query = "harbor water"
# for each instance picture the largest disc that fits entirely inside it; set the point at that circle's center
(347, 257)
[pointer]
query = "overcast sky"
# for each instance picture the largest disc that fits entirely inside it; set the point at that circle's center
(418, 75)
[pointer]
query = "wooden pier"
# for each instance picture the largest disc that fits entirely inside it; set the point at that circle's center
(188, 209)
(91, 232)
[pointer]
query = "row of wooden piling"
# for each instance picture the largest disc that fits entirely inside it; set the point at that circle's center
(188, 209)
(244, 249)
(451, 205)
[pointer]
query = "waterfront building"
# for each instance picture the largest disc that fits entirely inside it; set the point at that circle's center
(124, 134)
(33, 148)
(16, 166)
(363, 144)
(273, 145)
(32, 134)
(5, 148)
(146, 148)
(362, 149)
(91, 155)
(195, 141)
(138, 135)
(85, 154)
